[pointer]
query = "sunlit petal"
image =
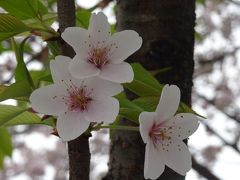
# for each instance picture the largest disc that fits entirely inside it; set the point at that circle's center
(77, 38)
(123, 44)
(184, 125)
(71, 125)
(99, 28)
(178, 157)
(154, 162)
(120, 73)
(59, 68)
(103, 110)
(169, 102)
(81, 69)
(47, 99)
(146, 120)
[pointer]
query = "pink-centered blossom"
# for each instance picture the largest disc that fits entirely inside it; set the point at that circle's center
(163, 132)
(76, 102)
(100, 54)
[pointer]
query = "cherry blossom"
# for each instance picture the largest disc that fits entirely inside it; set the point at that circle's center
(100, 54)
(76, 102)
(163, 132)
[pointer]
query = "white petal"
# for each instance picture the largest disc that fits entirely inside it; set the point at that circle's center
(81, 69)
(123, 44)
(59, 68)
(120, 73)
(102, 88)
(178, 157)
(71, 125)
(169, 102)
(153, 164)
(146, 120)
(78, 38)
(103, 110)
(47, 99)
(99, 28)
(184, 125)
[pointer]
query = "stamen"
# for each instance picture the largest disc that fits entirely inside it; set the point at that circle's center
(99, 56)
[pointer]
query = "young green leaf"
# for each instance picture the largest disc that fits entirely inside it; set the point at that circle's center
(128, 109)
(15, 90)
(13, 115)
(24, 9)
(21, 71)
(54, 48)
(6, 142)
(144, 84)
(148, 103)
(10, 26)
(83, 17)
(6, 146)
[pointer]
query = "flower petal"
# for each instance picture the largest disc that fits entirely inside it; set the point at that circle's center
(47, 99)
(146, 120)
(102, 88)
(103, 110)
(71, 125)
(120, 73)
(169, 102)
(59, 68)
(123, 44)
(81, 69)
(99, 27)
(153, 164)
(178, 157)
(78, 38)
(184, 125)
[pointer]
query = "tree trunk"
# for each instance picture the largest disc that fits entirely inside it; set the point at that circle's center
(167, 28)
(78, 149)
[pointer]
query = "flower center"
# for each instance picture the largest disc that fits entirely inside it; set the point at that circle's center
(77, 98)
(160, 134)
(98, 57)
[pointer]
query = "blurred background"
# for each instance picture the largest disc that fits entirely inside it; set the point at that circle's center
(38, 155)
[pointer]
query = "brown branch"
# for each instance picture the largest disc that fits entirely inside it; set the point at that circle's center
(78, 149)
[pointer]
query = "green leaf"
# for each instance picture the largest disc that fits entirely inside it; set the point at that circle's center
(48, 19)
(54, 48)
(1, 160)
(144, 84)
(183, 108)
(13, 115)
(21, 71)
(24, 9)
(83, 17)
(147, 103)
(6, 142)
(128, 109)
(7, 113)
(15, 90)
(10, 26)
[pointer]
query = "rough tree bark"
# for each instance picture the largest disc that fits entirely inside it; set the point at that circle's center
(78, 149)
(167, 28)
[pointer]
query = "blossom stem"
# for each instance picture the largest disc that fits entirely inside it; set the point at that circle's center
(128, 128)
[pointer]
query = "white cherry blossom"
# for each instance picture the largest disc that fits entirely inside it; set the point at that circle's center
(163, 132)
(100, 54)
(76, 102)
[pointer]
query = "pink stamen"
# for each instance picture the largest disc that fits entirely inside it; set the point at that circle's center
(78, 98)
(99, 56)
(159, 134)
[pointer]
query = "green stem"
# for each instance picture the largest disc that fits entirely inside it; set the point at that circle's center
(128, 128)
